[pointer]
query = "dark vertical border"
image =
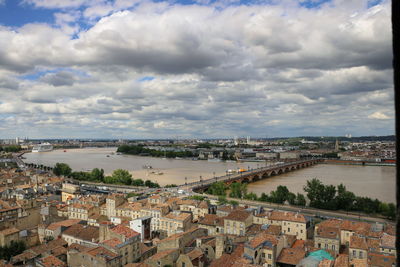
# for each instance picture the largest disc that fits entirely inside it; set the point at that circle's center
(395, 28)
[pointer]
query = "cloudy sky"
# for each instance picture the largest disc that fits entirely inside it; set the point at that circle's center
(144, 69)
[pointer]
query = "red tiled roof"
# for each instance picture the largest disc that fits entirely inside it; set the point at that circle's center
(103, 253)
(291, 256)
(358, 242)
(125, 231)
(287, 216)
(51, 261)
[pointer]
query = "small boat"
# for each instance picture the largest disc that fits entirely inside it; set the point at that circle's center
(147, 167)
(108, 156)
(65, 150)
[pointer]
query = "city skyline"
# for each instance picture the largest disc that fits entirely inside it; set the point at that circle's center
(206, 69)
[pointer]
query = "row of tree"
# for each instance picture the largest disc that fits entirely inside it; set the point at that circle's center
(118, 176)
(339, 198)
(11, 148)
(143, 151)
(320, 196)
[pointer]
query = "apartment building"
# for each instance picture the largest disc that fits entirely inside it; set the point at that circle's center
(82, 235)
(174, 222)
(292, 223)
(237, 222)
(327, 238)
(121, 240)
(264, 249)
(81, 211)
(358, 248)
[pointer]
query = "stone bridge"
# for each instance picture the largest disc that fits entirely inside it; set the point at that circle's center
(255, 174)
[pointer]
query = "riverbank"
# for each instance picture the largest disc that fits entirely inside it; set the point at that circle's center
(358, 162)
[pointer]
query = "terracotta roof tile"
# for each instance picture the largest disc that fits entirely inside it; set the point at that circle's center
(328, 232)
(358, 242)
(287, 216)
(381, 260)
(51, 261)
(125, 231)
(263, 239)
(108, 255)
(342, 261)
(238, 215)
(291, 256)
(388, 241)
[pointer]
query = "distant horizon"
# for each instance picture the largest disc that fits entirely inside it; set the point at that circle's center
(204, 138)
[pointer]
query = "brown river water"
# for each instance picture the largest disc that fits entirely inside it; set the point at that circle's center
(373, 181)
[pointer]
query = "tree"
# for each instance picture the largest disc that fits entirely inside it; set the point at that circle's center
(97, 175)
(222, 200)
(300, 200)
(344, 199)
(122, 176)
(264, 197)
(62, 169)
(251, 196)
(238, 190)
(280, 195)
(315, 190)
(137, 182)
(217, 189)
(291, 198)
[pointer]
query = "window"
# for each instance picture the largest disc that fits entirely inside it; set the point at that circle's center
(269, 256)
(319, 245)
(333, 247)
(288, 229)
(354, 253)
(361, 254)
(183, 264)
(326, 246)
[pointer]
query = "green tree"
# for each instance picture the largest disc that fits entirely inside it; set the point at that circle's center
(238, 190)
(344, 199)
(280, 195)
(251, 196)
(300, 200)
(97, 175)
(137, 182)
(222, 200)
(122, 177)
(62, 169)
(315, 190)
(291, 198)
(217, 189)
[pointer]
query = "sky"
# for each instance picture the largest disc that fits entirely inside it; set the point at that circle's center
(195, 68)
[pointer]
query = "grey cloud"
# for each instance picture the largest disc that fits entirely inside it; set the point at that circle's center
(62, 78)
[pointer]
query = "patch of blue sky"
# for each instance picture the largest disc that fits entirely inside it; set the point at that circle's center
(313, 4)
(38, 74)
(146, 79)
(372, 3)
(15, 14)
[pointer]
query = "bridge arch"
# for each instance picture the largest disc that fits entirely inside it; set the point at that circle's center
(265, 175)
(287, 169)
(256, 178)
(246, 180)
(280, 171)
(273, 173)
(293, 168)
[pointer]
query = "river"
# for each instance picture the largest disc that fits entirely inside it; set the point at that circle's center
(373, 181)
